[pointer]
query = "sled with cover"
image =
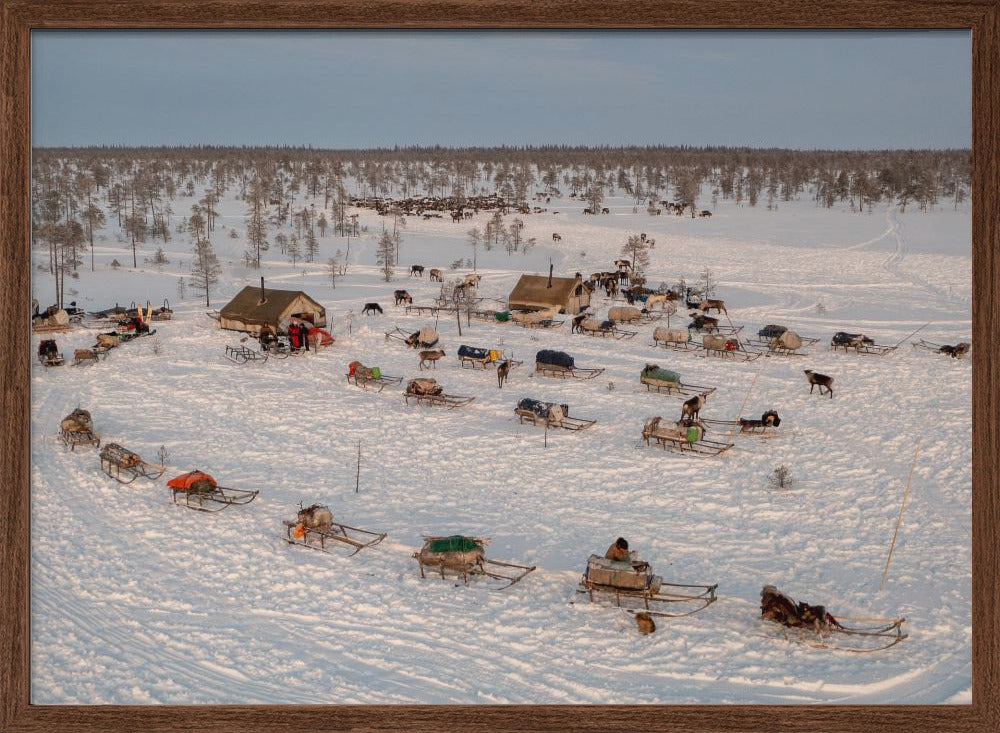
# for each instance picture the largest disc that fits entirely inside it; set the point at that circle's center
(667, 381)
(369, 377)
(683, 438)
(726, 348)
(77, 428)
(632, 586)
(594, 327)
(479, 358)
(315, 528)
(197, 490)
(464, 556)
(427, 391)
(549, 414)
(860, 343)
(561, 365)
(125, 466)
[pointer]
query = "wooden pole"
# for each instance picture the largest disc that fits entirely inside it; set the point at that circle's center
(912, 335)
(357, 476)
(899, 519)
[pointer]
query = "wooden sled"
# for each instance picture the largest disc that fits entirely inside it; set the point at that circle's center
(400, 335)
(860, 344)
(244, 355)
(468, 562)
(734, 354)
(674, 389)
(369, 383)
(565, 422)
(613, 331)
(856, 635)
(333, 533)
(443, 400)
(632, 586)
(956, 351)
(677, 439)
(561, 372)
(214, 500)
(125, 466)
(73, 438)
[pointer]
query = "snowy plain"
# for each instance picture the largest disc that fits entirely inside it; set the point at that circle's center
(136, 601)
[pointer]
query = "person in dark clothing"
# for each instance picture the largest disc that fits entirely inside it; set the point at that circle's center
(618, 551)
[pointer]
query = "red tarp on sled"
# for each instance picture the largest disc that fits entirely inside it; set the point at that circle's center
(319, 338)
(188, 480)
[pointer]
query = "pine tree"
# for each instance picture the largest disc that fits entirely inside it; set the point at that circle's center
(386, 255)
(205, 267)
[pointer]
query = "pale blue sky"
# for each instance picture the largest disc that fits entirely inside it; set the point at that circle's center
(352, 89)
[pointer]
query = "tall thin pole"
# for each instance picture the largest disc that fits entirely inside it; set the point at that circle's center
(357, 476)
(899, 520)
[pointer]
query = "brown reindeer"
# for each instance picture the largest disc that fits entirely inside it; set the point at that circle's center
(645, 623)
(431, 357)
(556, 237)
(706, 305)
(819, 379)
(503, 369)
(402, 297)
(692, 407)
(436, 275)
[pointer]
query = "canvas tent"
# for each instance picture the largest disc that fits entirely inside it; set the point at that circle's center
(248, 311)
(532, 292)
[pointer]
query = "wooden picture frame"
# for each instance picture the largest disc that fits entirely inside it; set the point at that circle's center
(19, 17)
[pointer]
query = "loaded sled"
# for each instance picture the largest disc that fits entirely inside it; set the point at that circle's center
(819, 629)
(707, 324)
(678, 339)
(53, 320)
(687, 439)
(561, 365)
(631, 585)
(464, 556)
(197, 490)
(84, 357)
(957, 351)
(427, 391)
(48, 354)
(477, 358)
(315, 528)
(369, 377)
(666, 381)
(536, 319)
(549, 414)
(77, 428)
(125, 466)
(726, 348)
(860, 343)
(779, 341)
(594, 327)
(629, 314)
(425, 338)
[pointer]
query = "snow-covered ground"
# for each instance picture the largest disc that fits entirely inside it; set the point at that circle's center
(135, 600)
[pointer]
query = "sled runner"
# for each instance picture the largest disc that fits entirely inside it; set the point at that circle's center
(197, 490)
(666, 381)
(465, 556)
(315, 528)
(428, 391)
(77, 428)
(425, 338)
(369, 377)
(244, 355)
(682, 438)
(860, 343)
(561, 365)
(726, 348)
(957, 351)
(549, 414)
(125, 466)
(593, 327)
(817, 628)
(631, 585)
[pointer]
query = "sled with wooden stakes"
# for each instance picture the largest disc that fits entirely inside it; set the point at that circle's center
(125, 466)
(463, 556)
(683, 438)
(775, 340)
(604, 329)
(815, 627)
(315, 528)
(632, 586)
(957, 351)
(425, 338)
(77, 428)
(537, 319)
(245, 355)
(726, 348)
(427, 391)
(549, 415)
(561, 365)
(199, 491)
(478, 358)
(859, 343)
(667, 381)
(369, 377)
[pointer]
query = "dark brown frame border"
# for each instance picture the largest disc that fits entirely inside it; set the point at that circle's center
(18, 17)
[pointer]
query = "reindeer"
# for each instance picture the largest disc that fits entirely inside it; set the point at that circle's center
(556, 237)
(431, 357)
(623, 264)
(703, 323)
(503, 369)
(691, 408)
(577, 326)
(706, 305)
(472, 280)
(705, 213)
(456, 216)
(436, 275)
(402, 297)
(417, 270)
(605, 211)
(371, 308)
(819, 379)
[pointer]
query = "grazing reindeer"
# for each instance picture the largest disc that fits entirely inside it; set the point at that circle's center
(431, 357)
(403, 297)
(556, 237)
(706, 305)
(623, 264)
(436, 275)
(503, 369)
(819, 379)
(578, 320)
(417, 270)
(692, 407)
(370, 309)
(472, 280)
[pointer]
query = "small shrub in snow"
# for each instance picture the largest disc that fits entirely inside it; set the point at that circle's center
(115, 264)
(157, 346)
(820, 308)
(163, 455)
(782, 477)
